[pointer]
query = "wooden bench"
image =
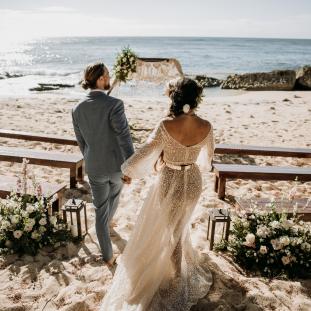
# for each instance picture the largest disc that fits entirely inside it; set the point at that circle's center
(49, 191)
(303, 206)
(234, 171)
(262, 151)
(38, 137)
(72, 161)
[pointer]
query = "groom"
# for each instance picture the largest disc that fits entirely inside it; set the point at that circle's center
(104, 138)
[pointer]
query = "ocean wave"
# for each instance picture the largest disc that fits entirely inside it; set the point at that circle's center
(36, 72)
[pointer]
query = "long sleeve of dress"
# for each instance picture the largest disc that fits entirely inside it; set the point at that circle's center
(141, 163)
(207, 153)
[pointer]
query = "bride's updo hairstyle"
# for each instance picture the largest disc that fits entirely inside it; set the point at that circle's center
(182, 92)
(92, 74)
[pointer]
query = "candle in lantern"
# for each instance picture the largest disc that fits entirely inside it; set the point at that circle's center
(74, 231)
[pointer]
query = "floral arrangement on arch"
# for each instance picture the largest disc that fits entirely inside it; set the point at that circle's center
(271, 243)
(125, 65)
(25, 225)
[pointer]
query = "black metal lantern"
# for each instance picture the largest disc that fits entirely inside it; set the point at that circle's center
(218, 215)
(74, 207)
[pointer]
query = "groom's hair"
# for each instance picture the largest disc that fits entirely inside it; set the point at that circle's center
(92, 74)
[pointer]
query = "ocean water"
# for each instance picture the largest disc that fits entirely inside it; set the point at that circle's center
(62, 60)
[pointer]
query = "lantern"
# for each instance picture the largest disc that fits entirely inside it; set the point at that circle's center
(74, 207)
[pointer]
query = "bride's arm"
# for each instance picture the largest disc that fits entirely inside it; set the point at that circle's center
(141, 163)
(207, 153)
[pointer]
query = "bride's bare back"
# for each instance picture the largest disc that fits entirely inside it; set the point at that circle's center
(188, 130)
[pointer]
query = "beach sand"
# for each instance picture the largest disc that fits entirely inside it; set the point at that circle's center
(73, 278)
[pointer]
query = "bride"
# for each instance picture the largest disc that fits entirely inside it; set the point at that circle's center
(159, 269)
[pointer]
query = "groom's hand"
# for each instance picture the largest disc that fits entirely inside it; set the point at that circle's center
(126, 179)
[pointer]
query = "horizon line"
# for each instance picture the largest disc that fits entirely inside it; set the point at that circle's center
(170, 36)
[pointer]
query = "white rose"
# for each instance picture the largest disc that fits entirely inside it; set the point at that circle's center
(24, 214)
(245, 222)
(35, 235)
(275, 224)
(263, 231)
(28, 227)
(249, 240)
(42, 229)
(30, 208)
(284, 240)
(42, 221)
(5, 224)
(17, 234)
(31, 221)
(15, 219)
(276, 244)
(305, 246)
(285, 260)
(53, 220)
(286, 224)
(263, 249)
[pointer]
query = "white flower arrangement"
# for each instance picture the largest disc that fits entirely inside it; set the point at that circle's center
(124, 67)
(25, 225)
(271, 243)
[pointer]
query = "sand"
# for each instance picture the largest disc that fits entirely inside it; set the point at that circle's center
(74, 278)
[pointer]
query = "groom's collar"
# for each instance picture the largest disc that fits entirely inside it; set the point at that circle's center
(96, 92)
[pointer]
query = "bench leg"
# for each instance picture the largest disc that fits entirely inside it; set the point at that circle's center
(80, 172)
(65, 216)
(216, 183)
(221, 187)
(55, 206)
(73, 177)
(60, 197)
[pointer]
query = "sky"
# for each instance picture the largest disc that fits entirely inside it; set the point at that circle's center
(20, 19)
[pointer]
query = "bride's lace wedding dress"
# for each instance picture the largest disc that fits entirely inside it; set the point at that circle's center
(159, 269)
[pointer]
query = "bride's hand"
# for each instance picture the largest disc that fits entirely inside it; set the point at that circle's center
(126, 179)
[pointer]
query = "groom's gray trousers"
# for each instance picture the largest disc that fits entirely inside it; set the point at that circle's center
(104, 138)
(106, 191)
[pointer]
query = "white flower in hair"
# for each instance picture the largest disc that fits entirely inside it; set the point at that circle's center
(186, 108)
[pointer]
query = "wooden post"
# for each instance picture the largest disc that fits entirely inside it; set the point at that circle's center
(80, 172)
(73, 177)
(221, 187)
(216, 183)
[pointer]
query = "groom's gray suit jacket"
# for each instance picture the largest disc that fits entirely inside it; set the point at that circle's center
(102, 133)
